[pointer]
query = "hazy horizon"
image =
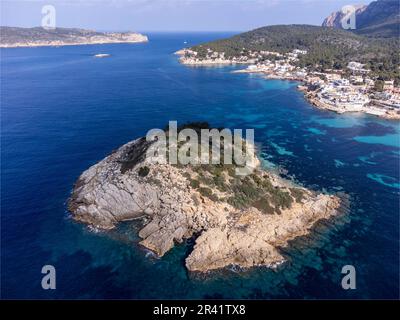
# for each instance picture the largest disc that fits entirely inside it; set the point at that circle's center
(171, 15)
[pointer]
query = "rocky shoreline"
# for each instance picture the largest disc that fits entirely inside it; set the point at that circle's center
(13, 37)
(373, 111)
(239, 220)
(309, 95)
(204, 62)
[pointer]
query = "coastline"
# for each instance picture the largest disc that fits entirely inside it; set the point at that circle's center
(369, 110)
(47, 155)
(63, 44)
(310, 96)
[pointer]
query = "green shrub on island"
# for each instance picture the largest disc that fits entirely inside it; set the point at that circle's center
(263, 205)
(207, 192)
(143, 171)
(194, 184)
(241, 192)
(297, 193)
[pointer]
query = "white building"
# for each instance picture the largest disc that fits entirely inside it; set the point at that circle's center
(357, 67)
(297, 51)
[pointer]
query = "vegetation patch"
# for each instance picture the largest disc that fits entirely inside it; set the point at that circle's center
(207, 192)
(281, 199)
(241, 192)
(263, 205)
(297, 194)
(194, 183)
(135, 154)
(143, 171)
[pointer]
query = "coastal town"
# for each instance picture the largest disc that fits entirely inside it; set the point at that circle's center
(350, 89)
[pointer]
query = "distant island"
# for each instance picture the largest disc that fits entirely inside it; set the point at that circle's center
(235, 220)
(12, 37)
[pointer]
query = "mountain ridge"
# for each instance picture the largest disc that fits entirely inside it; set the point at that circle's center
(380, 18)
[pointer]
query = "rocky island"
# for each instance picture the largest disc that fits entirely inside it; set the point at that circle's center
(236, 220)
(34, 37)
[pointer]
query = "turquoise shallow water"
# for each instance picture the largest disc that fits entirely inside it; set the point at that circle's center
(62, 111)
(388, 140)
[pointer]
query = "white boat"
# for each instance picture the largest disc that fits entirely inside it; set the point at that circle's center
(101, 55)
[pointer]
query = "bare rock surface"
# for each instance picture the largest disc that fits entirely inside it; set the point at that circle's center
(335, 18)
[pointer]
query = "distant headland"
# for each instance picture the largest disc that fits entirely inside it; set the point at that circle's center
(12, 37)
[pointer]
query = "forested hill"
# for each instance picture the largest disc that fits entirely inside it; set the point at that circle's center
(327, 47)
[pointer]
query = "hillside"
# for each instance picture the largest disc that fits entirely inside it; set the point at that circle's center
(30, 37)
(327, 47)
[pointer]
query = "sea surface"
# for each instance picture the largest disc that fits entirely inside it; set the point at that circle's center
(62, 110)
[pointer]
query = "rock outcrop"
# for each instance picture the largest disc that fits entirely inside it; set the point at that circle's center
(335, 18)
(380, 18)
(238, 220)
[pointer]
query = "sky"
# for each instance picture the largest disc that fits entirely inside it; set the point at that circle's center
(171, 15)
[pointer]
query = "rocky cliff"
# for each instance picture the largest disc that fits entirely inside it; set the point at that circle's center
(380, 18)
(335, 18)
(238, 220)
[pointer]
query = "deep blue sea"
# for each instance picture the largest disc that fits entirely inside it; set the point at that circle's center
(62, 110)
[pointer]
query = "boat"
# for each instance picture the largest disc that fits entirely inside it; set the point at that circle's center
(101, 55)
